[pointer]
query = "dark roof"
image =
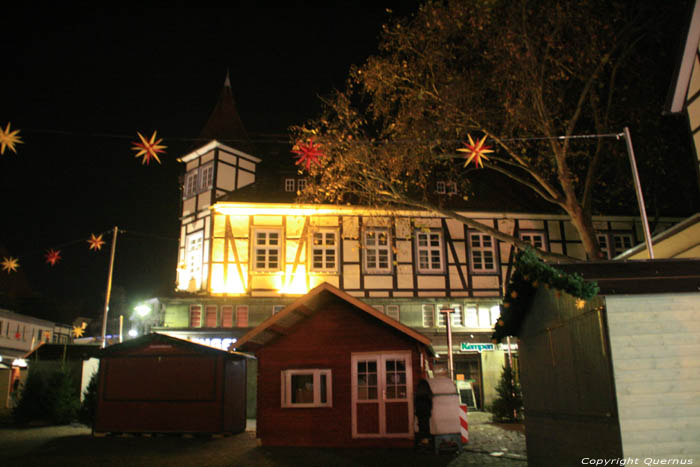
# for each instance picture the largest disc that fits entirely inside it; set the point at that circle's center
(162, 339)
(47, 351)
(225, 124)
(640, 277)
(490, 192)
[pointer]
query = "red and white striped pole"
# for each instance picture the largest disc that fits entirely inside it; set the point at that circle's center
(463, 426)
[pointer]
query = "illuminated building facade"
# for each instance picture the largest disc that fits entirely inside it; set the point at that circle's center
(247, 250)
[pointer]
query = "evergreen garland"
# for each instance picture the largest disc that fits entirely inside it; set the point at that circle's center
(530, 273)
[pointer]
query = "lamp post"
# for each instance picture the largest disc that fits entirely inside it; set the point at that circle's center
(448, 321)
(109, 287)
(638, 189)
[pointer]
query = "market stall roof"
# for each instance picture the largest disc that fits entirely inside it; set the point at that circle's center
(280, 323)
(156, 340)
(640, 276)
(51, 351)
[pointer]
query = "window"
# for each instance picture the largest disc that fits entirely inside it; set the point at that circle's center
(194, 256)
(377, 251)
(277, 308)
(536, 239)
(471, 318)
(612, 244)
(307, 388)
(451, 188)
(378, 308)
(301, 184)
(456, 315)
(440, 188)
(622, 242)
(198, 180)
(486, 317)
(210, 318)
(324, 250)
(429, 251)
(206, 177)
(392, 311)
(428, 312)
(289, 184)
(242, 316)
(191, 183)
(227, 316)
(483, 253)
(267, 250)
(195, 316)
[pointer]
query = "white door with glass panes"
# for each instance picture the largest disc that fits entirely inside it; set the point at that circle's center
(382, 395)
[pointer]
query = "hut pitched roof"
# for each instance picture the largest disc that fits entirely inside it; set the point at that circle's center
(311, 303)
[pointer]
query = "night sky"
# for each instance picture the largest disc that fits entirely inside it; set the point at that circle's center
(79, 87)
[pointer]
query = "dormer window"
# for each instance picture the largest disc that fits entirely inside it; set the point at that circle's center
(443, 187)
(292, 185)
(289, 184)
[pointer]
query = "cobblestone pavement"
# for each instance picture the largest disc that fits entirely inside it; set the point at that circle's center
(491, 444)
(72, 445)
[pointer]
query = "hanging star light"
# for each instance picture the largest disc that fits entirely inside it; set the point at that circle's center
(10, 264)
(476, 151)
(8, 139)
(52, 256)
(307, 153)
(96, 242)
(79, 330)
(149, 149)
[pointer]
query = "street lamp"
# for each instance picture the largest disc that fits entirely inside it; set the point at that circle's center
(142, 310)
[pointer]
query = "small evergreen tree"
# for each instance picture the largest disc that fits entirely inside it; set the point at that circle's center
(89, 405)
(47, 396)
(63, 402)
(508, 406)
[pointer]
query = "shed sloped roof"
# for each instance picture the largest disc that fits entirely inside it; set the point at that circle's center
(278, 324)
(51, 351)
(162, 340)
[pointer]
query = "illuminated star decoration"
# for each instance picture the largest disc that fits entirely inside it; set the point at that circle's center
(53, 256)
(476, 151)
(149, 149)
(10, 264)
(306, 153)
(79, 330)
(8, 139)
(580, 303)
(96, 242)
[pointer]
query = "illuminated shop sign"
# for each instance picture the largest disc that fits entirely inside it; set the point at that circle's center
(216, 342)
(479, 347)
(467, 347)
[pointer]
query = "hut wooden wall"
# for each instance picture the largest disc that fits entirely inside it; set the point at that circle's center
(325, 341)
(655, 342)
(165, 388)
(567, 383)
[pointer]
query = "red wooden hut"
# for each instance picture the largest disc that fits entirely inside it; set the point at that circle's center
(157, 383)
(333, 371)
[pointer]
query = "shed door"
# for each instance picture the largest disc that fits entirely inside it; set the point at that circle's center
(382, 395)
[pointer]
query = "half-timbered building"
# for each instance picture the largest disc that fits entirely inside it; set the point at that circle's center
(248, 249)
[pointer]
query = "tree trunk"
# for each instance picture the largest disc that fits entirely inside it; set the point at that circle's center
(584, 226)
